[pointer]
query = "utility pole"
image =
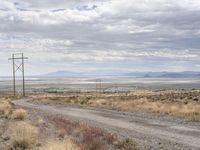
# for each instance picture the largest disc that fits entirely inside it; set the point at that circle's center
(23, 74)
(13, 56)
(98, 87)
(18, 56)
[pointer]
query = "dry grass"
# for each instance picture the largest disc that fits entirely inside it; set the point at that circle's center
(19, 114)
(181, 103)
(189, 110)
(40, 120)
(23, 135)
(89, 138)
(5, 108)
(60, 145)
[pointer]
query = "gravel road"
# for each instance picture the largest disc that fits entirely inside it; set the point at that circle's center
(150, 131)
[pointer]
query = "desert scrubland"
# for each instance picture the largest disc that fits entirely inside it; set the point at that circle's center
(42, 126)
(23, 128)
(178, 103)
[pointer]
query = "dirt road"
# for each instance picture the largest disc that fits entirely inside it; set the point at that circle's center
(148, 130)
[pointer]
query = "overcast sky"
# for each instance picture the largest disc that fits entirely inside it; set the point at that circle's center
(88, 35)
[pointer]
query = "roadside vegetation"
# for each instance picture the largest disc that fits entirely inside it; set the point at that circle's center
(29, 129)
(5, 108)
(179, 103)
(58, 145)
(89, 138)
(19, 114)
(23, 135)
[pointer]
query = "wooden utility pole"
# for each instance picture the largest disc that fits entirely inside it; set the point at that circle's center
(98, 87)
(13, 56)
(23, 74)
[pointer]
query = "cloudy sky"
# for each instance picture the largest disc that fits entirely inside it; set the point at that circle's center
(88, 35)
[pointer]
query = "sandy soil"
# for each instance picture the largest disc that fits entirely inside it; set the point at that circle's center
(150, 131)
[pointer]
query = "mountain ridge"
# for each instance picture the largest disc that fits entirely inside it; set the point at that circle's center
(162, 74)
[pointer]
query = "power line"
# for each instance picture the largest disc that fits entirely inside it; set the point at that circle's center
(18, 56)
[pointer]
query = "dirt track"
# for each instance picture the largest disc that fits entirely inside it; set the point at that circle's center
(148, 130)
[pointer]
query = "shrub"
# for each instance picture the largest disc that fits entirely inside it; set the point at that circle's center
(20, 114)
(127, 144)
(23, 135)
(5, 108)
(57, 145)
(61, 133)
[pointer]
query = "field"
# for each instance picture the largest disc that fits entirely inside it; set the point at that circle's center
(107, 84)
(101, 115)
(179, 103)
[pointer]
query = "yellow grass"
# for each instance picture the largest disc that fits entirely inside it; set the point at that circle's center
(40, 121)
(23, 135)
(20, 114)
(172, 108)
(182, 103)
(58, 145)
(5, 108)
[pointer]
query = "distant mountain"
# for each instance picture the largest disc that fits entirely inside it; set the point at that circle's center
(185, 74)
(83, 74)
(62, 74)
(145, 74)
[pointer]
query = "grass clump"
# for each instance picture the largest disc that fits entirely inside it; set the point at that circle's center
(60, 145)
(127, 144)
(20, 114)
(5, 108)
(23, 135)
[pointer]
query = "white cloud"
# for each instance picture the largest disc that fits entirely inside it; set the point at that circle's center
(106, 32)
(128, 26)
(27, 44)
(14, 13)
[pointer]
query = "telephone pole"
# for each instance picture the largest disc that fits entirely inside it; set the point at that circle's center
(16, 67)
(98, 87)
